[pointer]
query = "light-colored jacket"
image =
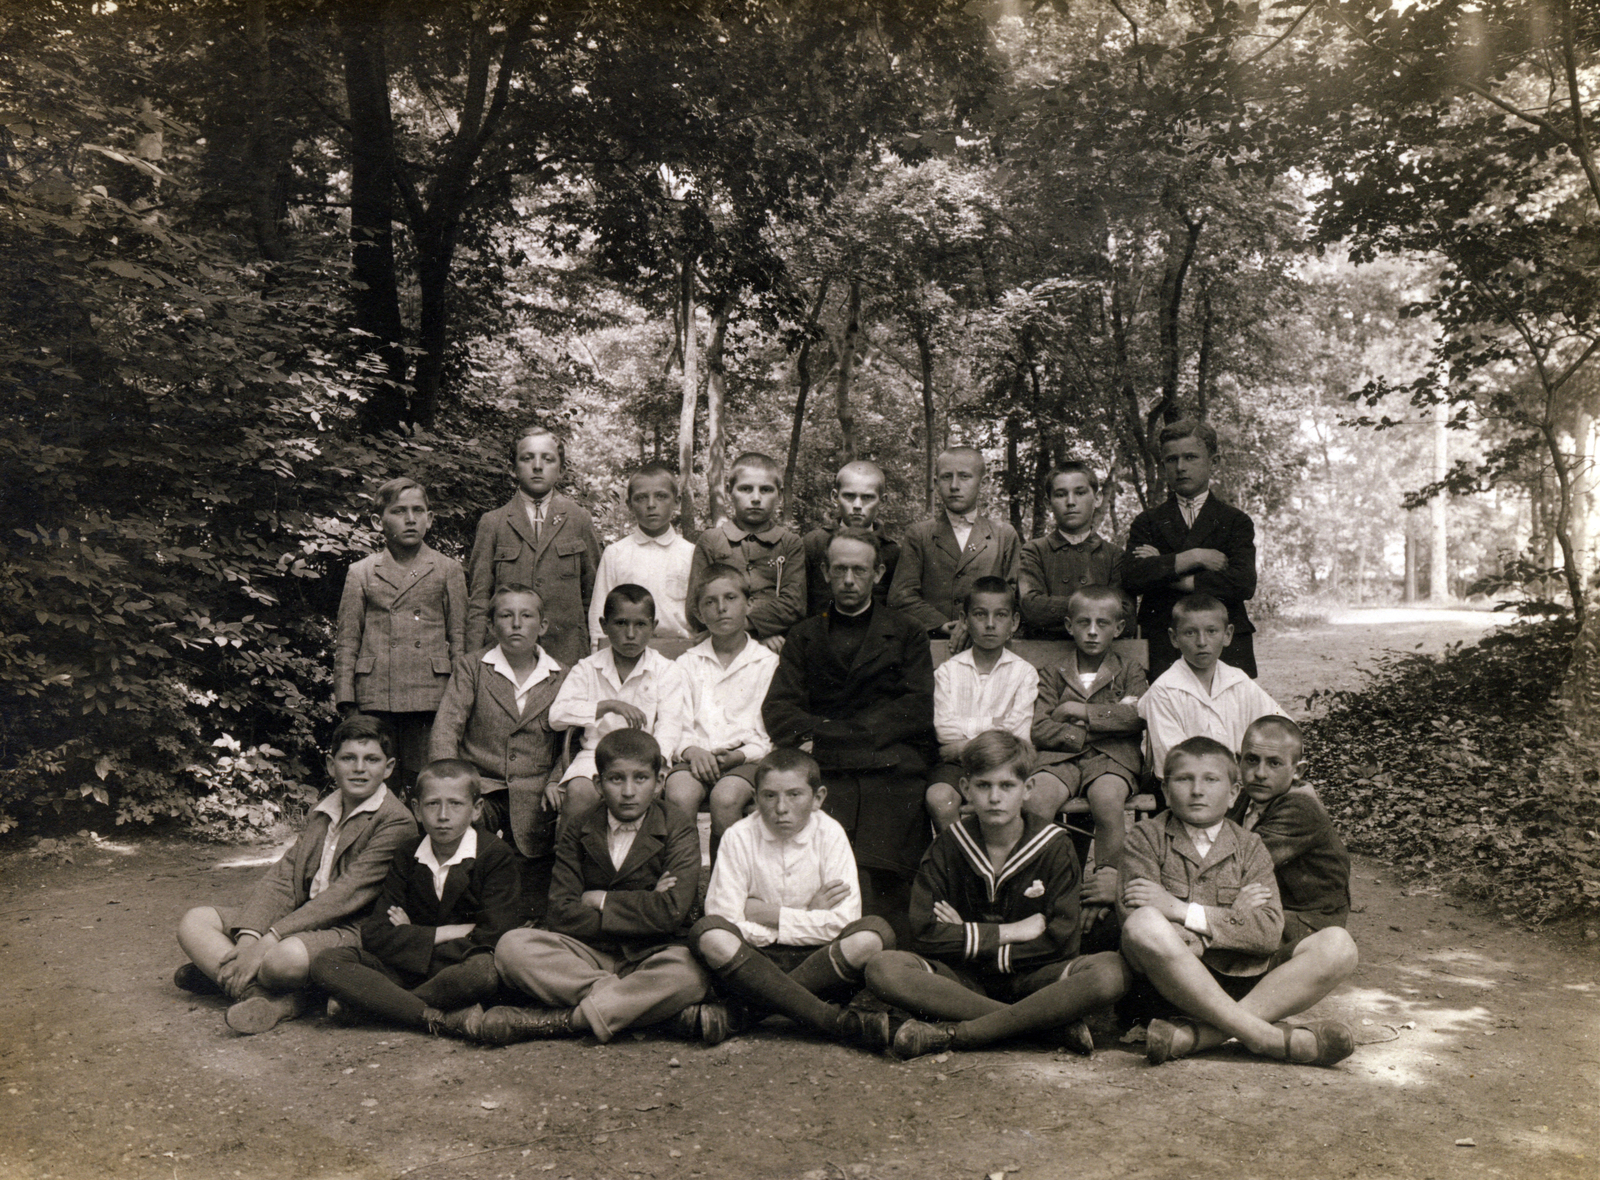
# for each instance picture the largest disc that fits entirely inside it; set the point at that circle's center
(400, 629)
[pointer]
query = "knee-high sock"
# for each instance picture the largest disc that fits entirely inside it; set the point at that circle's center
(460, 985)
(901, 979)
(1062, 1002)
(353, 982)
(763, 985)
(826, 974)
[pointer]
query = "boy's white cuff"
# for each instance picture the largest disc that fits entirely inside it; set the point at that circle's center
(1195, 919)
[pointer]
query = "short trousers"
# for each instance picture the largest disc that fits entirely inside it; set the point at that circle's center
(1076, 775)
(745, 770)
(948, 773)
(1008, 989)
(315, 941)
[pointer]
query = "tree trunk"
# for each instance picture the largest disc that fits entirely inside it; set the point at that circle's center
(1013, 461)
(435, 252)
(847, 368)
(929, 446)
(802, 378)
(716, 394)
(1140, 443)
(264, 150)
(1409, 594)
(1438, 576)
(1202, 380)
(1180, 254)
(374, 291)
(691, 397)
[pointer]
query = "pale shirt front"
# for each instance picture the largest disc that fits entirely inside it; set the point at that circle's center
(722, 708)
(752, 862)
(619, 838)
(654, 687)
(1076, 538)
(330, 807)
(1177, 706)
(966, 703)
(1202, 838)
(465, 851)
(536, 510)
(660, 565)
(1190, 506)
(961, 526)
(544, 667)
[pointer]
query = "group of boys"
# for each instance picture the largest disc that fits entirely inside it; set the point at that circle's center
(812, 702)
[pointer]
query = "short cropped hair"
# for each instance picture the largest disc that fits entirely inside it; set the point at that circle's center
(996, 748)
(534, 428)
(1200, 747)
(1188, 428)
(721, 571)
(389, 492)
(1098, 594)
(863, 537)
(1197, 603)
(759, 461)
(1072, 467)
(634, 745)
(1284, 727)
(363, 727)
(630, 593)
(863, 465)
(451, 770)
(513, 588)
(786, 758)
(989, 584)
(651, 470)
(964, 449)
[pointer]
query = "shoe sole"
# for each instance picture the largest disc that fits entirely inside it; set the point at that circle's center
(253, 1016)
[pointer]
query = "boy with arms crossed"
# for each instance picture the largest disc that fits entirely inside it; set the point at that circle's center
(655, 555)
(625, 877)
(943, 556)
(540, 539)
(783, 930)
(857, 494)
(312, 897)
(1202, 920)
(984, 687)
(1070, 557)
(994, 920)
(756, 541)
(426, 958)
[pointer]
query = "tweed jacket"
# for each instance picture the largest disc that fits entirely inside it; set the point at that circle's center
(774, 560)
(934, 575)
(560, 567)
(1114, 729)
(486, 891)
(1217, 526)
(1310, 859)
(361, 857)
(1237, 943)
(636, 920)
(1052, 569)
(399, 632)
(479, 720)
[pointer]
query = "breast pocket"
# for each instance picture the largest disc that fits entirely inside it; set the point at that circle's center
(505, 554)
(1227, 894)
(569, 557)
(1175, 884)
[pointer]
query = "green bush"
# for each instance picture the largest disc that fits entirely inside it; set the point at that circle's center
(1457, 769)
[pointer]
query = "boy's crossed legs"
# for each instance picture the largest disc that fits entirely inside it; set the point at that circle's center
(264, 976)
(1108, 794)
(1318, 964)
(365, 982)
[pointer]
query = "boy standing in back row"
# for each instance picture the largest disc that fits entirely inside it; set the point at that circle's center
(857, 494)
(1193, 543)
(755, 541)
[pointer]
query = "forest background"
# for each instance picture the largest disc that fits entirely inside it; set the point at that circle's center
(260, 255)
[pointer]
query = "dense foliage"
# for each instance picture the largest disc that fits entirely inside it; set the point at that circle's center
(1457, 768)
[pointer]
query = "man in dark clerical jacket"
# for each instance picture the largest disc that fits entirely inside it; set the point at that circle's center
(857, 682)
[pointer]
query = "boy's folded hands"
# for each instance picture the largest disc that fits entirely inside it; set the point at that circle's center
(828, 895)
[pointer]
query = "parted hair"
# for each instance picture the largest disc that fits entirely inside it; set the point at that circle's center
(513, 588)
(635, 745)
(1188, 428)
(995, 748)
(528, 431)
(391, 490)
(721, 571)
(1071, 467)
(362, 727)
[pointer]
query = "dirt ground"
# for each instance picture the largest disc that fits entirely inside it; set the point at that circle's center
(1478, 1056)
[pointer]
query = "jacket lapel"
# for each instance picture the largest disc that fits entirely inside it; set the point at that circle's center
(456, 880)
(539, 698)
(387, 570)
(647, 842)
(516, 517)
(1172, 526)
(348, 831)
(596, 845)
(978, 542)
(556, 511)
(873, 644)
(500, 690)
(1178, 839)
(1204, 521)
(945, 537)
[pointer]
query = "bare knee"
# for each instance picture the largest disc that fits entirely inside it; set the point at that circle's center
(1108, 796)
(717, 947)
(1333, 952)
(580, 798)
(286, 966)
(729, 796)
(685, 791)
(859, 947)
(1146, 932)
(199, 922)
(1047, 796)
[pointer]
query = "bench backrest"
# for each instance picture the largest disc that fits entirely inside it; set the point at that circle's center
(1038, 652)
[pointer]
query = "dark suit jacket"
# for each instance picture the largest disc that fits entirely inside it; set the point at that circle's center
(774, 562)
(486, 890)
(1312, 866)
(560, 567)
(361, 857)
(1114, 729)
(399, 631)
(933, 575)
(636, 920)
(1218, 526)
(875, 714)
(818, 594)
(1053, 570)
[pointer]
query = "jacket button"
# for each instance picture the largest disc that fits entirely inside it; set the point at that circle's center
(419, 643)
(513, 757)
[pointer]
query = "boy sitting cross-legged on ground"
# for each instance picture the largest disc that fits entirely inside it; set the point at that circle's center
(1202, 920)
(312, 898)
(756, 540)
(995, 911)
(426, 957)
(1086, 727)
(1200, 695)
(625, 877)
(725, 679)
(626, 684)
(783, 930)
(984, 687)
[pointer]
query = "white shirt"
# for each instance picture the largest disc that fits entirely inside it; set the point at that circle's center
(1194, 917)
(1178, 707)
(660, 565)
(752, 862)
(330, 807)
(962, 526)
(722, 706)
(1190, 506)
(1076, 538)
(536, 510)
(966, 703)
(619, 838)
(545, 667)
(654, 687)
(465, 851)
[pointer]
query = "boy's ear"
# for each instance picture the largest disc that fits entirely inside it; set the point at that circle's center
(1227, 635)
(388, 768)
(477, 810)
(821, 793)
